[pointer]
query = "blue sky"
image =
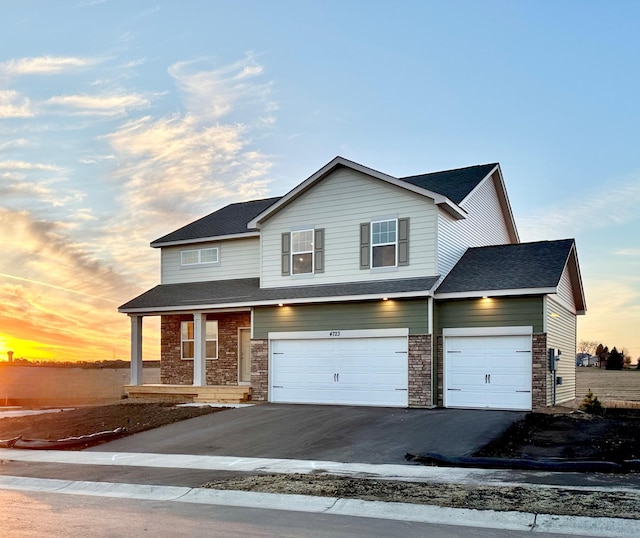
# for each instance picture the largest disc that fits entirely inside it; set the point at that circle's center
(121, 121)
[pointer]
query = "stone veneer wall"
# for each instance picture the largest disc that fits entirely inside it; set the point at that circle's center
(539, 371)
(420, 370)
(259, 370)
(221, 371)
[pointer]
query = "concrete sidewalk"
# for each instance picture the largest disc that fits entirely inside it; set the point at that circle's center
(154, 465)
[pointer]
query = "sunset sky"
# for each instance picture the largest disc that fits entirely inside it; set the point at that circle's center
(121, 121)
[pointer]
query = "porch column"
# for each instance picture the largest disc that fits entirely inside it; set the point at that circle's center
(136, 350)
(200, 349)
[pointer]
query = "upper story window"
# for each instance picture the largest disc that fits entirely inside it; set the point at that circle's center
(384, 243)
(302, 252)
(200, 256)
(187, 339)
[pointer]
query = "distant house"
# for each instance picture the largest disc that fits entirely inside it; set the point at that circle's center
(361, 288)
(586, 359)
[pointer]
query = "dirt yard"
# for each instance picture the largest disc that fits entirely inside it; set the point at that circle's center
(134, 417)
(613, 436)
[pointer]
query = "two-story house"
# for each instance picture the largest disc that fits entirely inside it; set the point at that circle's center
(361, 288)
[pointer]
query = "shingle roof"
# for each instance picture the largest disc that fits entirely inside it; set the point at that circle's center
(454, 184)
(229, 220)
(233, 219)
(506, 267)
(247, 291)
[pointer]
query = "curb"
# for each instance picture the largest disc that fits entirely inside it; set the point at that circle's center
(517, 521)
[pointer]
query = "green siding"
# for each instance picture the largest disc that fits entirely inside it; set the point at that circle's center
(492, 312)
(343, 316)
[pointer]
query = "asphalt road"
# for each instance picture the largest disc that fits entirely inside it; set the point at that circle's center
(36, 514)
(328, 433)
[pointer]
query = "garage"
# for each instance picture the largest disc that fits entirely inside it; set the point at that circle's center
(490, 371)
(339, 367)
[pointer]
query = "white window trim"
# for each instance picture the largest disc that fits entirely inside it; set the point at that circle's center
(312, 252)
(394, 243)
(200, 262)
(182, 340)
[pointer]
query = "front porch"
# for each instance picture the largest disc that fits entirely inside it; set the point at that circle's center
(191, 394)
(205, 358)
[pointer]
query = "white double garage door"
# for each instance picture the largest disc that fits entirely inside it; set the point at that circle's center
(482, 368)
(340, 367)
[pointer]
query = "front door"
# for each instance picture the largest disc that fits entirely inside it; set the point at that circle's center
(244, 356)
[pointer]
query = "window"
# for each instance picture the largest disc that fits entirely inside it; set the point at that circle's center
(383, 243)
(302, 252)
(194, 257)
(187, 339)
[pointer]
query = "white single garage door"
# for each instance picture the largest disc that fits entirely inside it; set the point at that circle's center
(349, 371)
(488, 372)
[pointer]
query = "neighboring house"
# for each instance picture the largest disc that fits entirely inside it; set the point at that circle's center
(585, 359)
(360, 288)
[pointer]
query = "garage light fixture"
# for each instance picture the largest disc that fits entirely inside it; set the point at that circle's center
(280, 304)
(385, 298)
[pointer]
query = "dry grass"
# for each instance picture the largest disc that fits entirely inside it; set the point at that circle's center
(620, 404)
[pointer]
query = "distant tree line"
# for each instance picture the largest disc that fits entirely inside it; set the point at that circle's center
(609, 359)
(116, 363)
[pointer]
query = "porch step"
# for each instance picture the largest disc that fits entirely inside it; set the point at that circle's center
(190, 393)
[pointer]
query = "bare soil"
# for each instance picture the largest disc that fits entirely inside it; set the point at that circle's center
(539, 500)
(613, 436)
(134, 417)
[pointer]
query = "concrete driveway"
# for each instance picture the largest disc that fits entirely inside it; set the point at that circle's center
(329, 433)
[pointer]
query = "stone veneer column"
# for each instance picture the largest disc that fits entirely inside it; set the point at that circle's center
(440, 368)
(539, 371)
(173, 370)
(420, 370)
(260, 370)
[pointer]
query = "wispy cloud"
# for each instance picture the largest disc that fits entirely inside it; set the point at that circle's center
(13, 105)
(216, 91)
(614, 203)
(627, 252)
(102, 105)
(45, 65)
(24, 165)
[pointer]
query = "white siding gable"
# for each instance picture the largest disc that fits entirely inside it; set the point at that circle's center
(339, 203)
(485, 225)
(239, 258)
(565, 291)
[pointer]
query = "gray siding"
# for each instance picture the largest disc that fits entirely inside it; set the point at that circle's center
(484, 225)
(561, 334)
(339, 203)
(493, 312)
(345, 316)
(239, 258)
